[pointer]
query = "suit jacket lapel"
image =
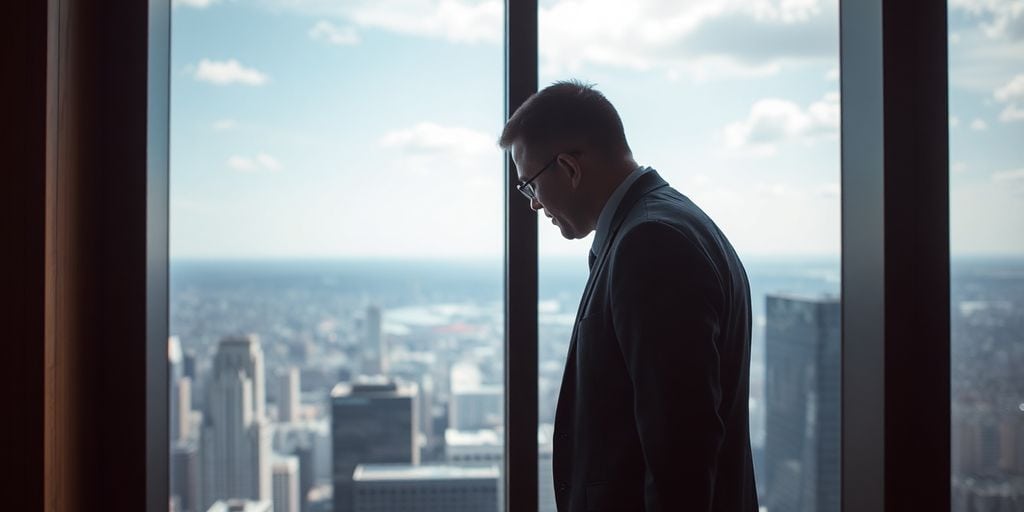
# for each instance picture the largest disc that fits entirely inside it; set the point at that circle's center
(647, 183)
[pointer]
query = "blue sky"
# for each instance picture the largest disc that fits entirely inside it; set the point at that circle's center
(314, 128)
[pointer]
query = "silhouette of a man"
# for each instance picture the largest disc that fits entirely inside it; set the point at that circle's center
(652, 413)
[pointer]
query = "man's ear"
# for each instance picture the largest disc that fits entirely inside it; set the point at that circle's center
(571, 165)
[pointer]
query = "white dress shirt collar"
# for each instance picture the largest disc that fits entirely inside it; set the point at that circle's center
(604, 220)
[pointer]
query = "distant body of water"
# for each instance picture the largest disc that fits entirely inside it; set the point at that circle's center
(409, 282)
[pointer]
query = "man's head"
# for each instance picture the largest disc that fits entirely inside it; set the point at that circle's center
(569, 139)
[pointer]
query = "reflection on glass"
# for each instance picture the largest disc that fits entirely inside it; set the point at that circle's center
(986, 125)
(336, 279)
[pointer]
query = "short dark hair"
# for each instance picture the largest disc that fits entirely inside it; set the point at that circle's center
(566, 110)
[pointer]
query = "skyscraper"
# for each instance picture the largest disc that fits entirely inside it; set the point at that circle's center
(304, 454)
(427, 488)
(288, 395)
(175, 371)
(235, 438)
(476, 407)
(802, 344)
(310, 441)
(181, 419)
(185, 476)
(375, 352)
(372, 421)
(286, 484)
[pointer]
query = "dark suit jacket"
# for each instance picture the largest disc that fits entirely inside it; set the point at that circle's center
(652, 413)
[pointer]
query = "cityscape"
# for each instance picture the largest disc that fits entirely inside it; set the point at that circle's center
(368, 386)
(337, 314)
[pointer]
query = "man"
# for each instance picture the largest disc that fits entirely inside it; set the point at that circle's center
(652, 413)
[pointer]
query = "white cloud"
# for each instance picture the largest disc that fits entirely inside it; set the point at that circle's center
(958, 167)
(954, 121)
(228, 72)
(979, 125)
(268, 162)
(333, 34)
(1001, 18)
(1011, 181)
(1011, 93)
(457, 21)
(223, 125)
(772, 121)
(832, 75)
(1011, 113)
(1012, 90)
(429, 149)
(697, 37)
(198, 4)
(262, 162)
(432, 138)
(1011, 176)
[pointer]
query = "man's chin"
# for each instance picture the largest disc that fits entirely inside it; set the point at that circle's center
(568, 234)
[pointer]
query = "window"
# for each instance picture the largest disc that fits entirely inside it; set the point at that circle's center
(336, 285)
(748, 128)
(986, 104)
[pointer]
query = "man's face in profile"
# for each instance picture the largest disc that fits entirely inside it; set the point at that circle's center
(552, 188)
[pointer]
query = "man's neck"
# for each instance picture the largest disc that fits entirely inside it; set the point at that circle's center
(615, 179)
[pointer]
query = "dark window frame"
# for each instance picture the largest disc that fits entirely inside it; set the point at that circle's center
(895, 256)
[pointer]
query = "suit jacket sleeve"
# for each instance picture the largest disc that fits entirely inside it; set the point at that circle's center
(666, 300)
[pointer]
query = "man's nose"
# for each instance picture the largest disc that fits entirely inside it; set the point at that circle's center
(535, 204)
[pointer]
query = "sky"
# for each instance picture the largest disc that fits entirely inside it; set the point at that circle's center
(367, 129)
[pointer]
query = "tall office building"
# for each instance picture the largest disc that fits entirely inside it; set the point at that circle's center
(304, 454)
(189, 364)
(185, 476)
(375, 352)
(288, 395)
(372, 421)
(175, 371)
(802, 349)
(476, 407)
(310, 441)
(488, 447)
(285, 472)
(181, 420)
(426, 488)
(235, 438)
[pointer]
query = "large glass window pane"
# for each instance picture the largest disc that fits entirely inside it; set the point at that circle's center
(986, 127)
(736, 105)
(336, 244)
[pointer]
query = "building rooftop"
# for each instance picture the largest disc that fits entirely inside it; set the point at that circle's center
(399, 472)
(377, 386)
(815, 298)
(489, 437)
(482, 437)
(234, 505)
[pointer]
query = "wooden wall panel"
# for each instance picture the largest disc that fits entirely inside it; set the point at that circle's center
(84, 208)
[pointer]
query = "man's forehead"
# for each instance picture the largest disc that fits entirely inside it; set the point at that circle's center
(518, 152)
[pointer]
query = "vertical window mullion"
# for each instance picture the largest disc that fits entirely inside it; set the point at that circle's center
(895, 210)
(158, 121)
(520, 486)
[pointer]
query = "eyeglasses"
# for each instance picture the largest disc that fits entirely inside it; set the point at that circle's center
(526, 187)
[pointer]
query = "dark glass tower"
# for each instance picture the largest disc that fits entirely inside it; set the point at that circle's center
(372, 421)
(802, 350)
